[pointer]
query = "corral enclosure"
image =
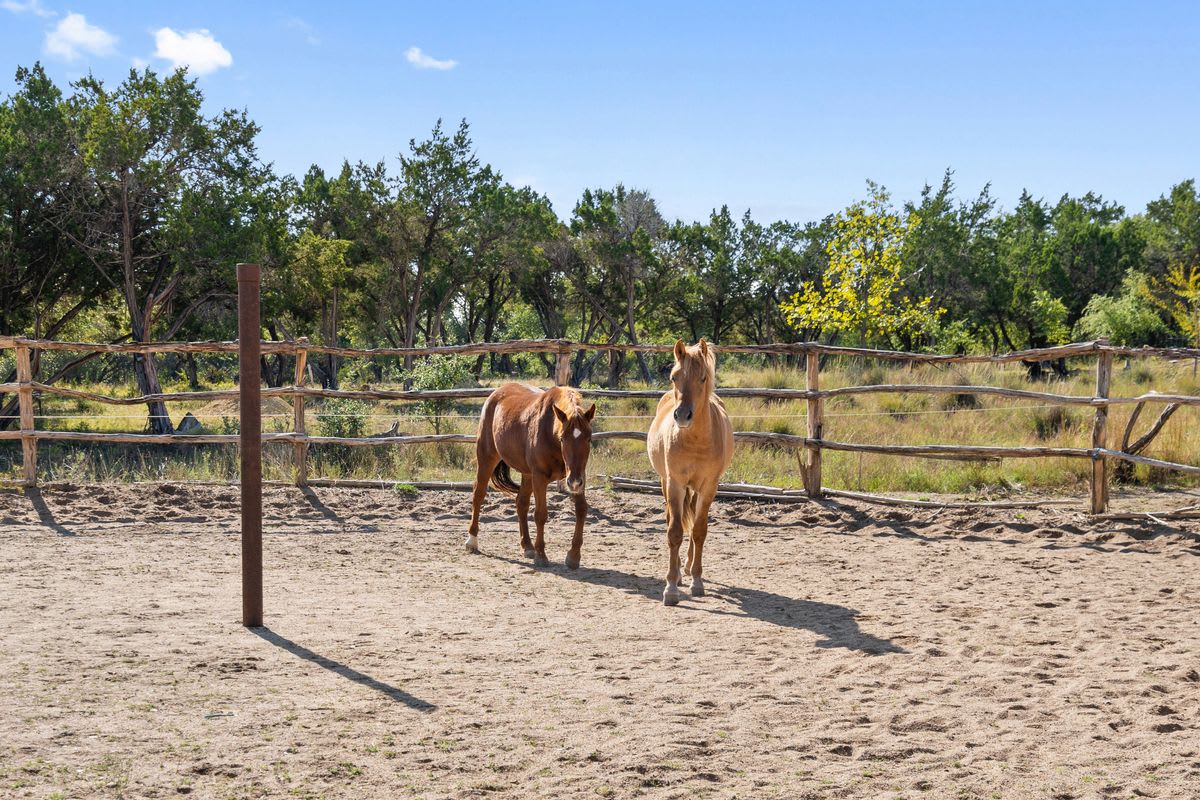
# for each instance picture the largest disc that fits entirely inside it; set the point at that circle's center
(844, 651)
(848, 410)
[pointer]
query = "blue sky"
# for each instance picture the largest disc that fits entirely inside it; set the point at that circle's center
(782, 108)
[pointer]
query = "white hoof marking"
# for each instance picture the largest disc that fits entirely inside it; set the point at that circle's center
(472, 544)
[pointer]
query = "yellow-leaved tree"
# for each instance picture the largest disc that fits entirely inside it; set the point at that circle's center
(1178, 294)
(862, 290)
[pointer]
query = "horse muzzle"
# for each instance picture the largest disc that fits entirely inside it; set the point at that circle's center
(575, 487)
(683, 416)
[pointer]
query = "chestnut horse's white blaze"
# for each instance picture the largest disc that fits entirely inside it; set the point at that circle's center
(690, 445)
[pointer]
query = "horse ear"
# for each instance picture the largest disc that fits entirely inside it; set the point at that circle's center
(591, 412)
(680, 349)
(560, 414)
(704, 347)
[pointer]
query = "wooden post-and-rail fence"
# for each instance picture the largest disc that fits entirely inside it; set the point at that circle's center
(809, 446)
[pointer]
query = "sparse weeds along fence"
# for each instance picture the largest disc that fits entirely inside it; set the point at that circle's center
(808, 446)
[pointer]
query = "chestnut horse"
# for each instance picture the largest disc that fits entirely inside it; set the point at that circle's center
(690, 444)
(544, 435)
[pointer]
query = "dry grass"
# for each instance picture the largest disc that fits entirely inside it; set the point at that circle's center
(882, 419)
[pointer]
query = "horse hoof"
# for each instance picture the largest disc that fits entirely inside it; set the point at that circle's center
(540, 560)
(697, 587)
(670, 596)
(472, 545)
(572, 561)
(530, 553)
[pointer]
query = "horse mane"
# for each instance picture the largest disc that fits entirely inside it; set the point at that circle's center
(570, 402)
(706, 354)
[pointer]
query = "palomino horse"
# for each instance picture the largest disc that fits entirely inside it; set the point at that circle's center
(690, 445)
(544, 435)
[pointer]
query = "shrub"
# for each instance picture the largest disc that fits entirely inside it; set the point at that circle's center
(954, 402)
(874, 376)
(1049, 422)
(439, 372)
(345, 418)
(342, 417)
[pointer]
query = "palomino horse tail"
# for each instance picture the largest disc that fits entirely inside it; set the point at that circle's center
(689, 511)
(502, 479)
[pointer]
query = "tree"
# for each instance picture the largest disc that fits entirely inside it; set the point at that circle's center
(862, 290)
(310, 291)
(951, 256)
(146, 167)
(45, 285)
(620, 272)
(783, 257)
(1172, 229)
(1088, 250)
(717, 268)
(442, 180)
(506, 237)
(1128, 319)
(1178, 294)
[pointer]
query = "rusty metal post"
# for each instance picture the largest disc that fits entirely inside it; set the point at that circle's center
(250, 429)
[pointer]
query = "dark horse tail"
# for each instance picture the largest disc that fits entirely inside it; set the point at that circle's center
(502, 479)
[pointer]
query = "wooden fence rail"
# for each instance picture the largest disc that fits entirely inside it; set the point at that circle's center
(809, 447)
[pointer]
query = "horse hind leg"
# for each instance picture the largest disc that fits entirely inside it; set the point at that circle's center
(523, 495)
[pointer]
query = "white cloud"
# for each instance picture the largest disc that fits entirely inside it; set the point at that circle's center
(34, 7)
(140, 63)
(196, 50)
(304, 28)
(421, 60)
(74, 36)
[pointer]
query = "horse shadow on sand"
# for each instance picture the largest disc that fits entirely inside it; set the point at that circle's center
(836, 625)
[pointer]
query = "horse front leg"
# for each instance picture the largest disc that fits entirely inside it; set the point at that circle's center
(675, 500)
(690, 507)
(573, 554)
(523, 495)
(540, 513)
(486, 462)
(699, 534)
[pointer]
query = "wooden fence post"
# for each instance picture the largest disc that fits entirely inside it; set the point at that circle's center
(812, 455)
(562, 368)
(300, 451)
(250, 432)
(25, 402)
(1100, 463)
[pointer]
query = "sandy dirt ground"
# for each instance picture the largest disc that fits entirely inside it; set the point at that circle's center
(844, 651)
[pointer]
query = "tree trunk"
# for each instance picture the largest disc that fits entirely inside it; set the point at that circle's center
(143, 363)
(147, 380)
(641, 357)
(193, 374)
(329, 336)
